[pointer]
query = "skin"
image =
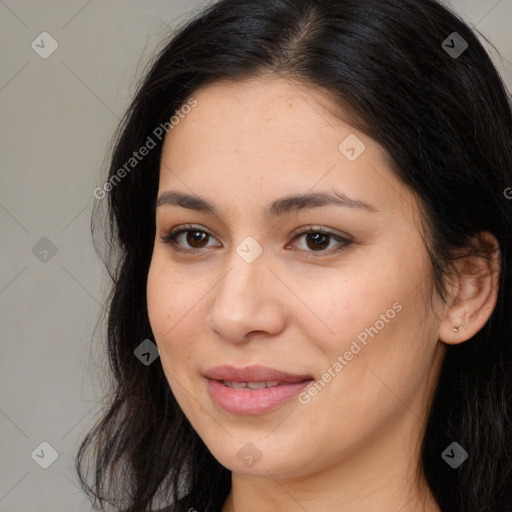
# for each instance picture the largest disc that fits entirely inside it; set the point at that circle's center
(356, 444)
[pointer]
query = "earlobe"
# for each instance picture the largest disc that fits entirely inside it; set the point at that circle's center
(475, 293)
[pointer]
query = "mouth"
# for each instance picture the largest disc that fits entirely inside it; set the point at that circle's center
(252, 389)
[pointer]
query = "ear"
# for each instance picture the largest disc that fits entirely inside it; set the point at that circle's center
(473, 292)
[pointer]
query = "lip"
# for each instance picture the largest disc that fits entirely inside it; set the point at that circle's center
(258, 401)
(253, 373)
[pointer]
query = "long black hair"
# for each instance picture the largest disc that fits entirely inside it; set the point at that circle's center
(435, 102)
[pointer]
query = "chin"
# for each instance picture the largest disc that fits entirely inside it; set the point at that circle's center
(261, 459)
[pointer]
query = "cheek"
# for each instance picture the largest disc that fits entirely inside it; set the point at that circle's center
(371, 320)
(174, 308)
(342, 309)
(167, 299)
(157, 296)
(167, 312)
(164, 312)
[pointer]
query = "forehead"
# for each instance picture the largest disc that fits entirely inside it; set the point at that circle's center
(263, 119)
(276, 134)
(272, 111)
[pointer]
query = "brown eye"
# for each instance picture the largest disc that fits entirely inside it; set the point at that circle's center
(195, 238)
(317, 240)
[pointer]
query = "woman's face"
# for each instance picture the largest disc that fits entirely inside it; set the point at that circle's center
(345, 317)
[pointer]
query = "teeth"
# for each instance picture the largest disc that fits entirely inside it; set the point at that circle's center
(251, 385)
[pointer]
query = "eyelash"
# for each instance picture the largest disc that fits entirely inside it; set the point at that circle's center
(170, 239)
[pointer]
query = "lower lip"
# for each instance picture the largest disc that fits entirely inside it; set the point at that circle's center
(257, 401)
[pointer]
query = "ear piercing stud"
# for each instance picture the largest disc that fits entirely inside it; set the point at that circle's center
(456, 329)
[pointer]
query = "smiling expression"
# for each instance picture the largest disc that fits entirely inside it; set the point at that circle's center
(275, 247)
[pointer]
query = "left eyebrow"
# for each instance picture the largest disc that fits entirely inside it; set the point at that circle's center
(297, 202)
(276, 208)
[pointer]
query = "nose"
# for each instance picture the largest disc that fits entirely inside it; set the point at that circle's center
(247, 300)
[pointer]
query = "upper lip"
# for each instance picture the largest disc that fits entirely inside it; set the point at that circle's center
(254, 373)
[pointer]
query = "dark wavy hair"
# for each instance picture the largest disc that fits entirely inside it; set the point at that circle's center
(446, 123)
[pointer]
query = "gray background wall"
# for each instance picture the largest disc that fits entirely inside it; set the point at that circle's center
(57, 117)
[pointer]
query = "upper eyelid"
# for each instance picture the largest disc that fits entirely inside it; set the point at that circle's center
(299, 231)
(180, 229)
(342, 238)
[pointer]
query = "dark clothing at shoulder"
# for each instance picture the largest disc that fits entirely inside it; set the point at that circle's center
(185, 504)
(180, 506)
